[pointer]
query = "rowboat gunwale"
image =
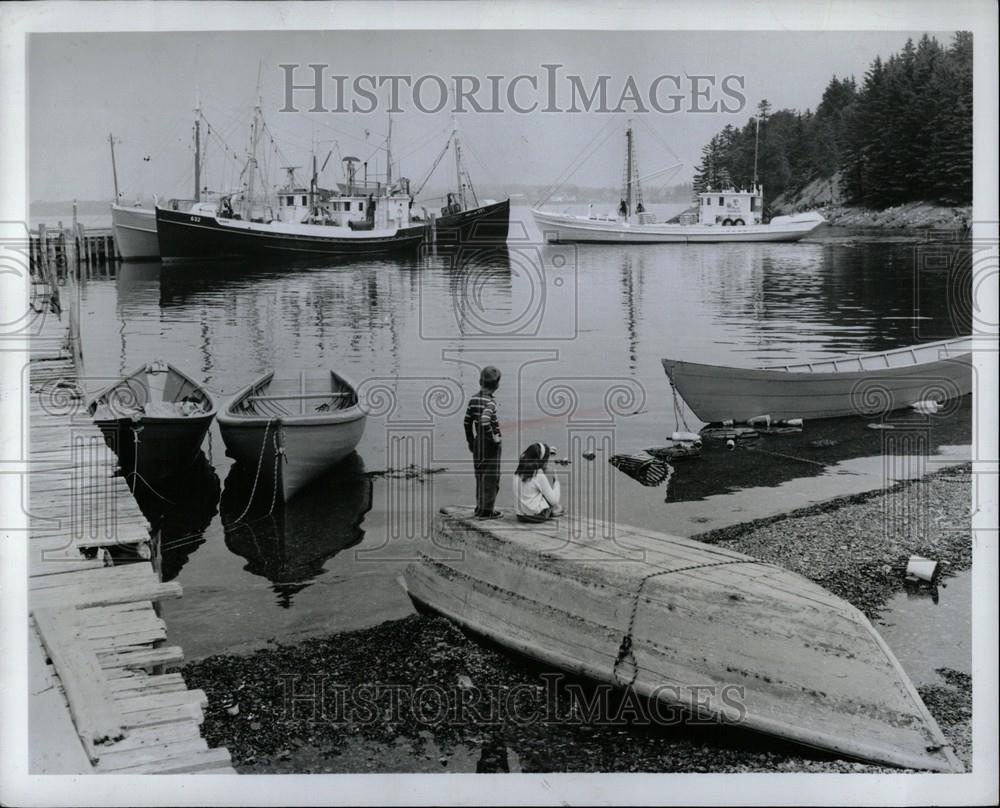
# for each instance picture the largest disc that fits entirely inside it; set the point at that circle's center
(329, 418)
(102, 394)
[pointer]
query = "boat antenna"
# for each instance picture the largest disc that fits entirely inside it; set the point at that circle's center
(114, 167)
(756, 143)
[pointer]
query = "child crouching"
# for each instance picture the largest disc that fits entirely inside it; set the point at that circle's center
(536, 491)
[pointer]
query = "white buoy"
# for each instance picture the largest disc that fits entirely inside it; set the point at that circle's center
(928, 407)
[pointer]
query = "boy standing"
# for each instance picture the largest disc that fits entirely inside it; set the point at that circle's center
(482, 434)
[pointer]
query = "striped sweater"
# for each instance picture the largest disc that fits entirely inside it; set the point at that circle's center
(482, 429)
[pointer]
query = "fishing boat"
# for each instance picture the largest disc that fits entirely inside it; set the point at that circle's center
(685, 624)
(463, 218)
(297, 221)
(865, 384)
(134, 229)
(724, 215)
(154, 419)
(295, 428)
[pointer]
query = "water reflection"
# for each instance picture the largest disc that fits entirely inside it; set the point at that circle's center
(771, 460)
(290, 545)
(179, 510)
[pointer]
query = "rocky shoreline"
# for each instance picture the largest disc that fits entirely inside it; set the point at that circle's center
(912, 216)
(419, 695)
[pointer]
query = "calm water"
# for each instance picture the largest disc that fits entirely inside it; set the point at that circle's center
(578, 333)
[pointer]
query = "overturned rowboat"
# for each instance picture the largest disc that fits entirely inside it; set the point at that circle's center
(294, 429)
(867, 384)
(685, 623)
(154, 419)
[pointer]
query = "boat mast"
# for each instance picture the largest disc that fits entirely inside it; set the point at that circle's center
(114, 167)
(197, 149)
(460, 185)
(756, 143)
(628, 171)
(388, 158)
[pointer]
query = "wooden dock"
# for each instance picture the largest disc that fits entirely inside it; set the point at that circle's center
(101, 699)
(74, 247)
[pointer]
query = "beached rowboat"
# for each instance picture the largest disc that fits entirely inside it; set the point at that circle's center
(295, 427)
(155, 419)
(868, 384)
(686, 623)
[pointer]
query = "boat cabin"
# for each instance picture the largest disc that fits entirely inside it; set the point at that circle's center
(730, 207)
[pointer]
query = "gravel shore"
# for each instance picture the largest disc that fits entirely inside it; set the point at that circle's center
(420, 695)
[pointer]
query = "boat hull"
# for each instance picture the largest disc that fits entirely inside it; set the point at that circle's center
(489, 223)
(718, 393)
(303, 450)
(712, 631)
(154, 446)
(135, 233)
(191, 237)
(165, 447)
(560, 228)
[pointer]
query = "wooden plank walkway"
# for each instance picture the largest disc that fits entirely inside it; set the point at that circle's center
(100, 701)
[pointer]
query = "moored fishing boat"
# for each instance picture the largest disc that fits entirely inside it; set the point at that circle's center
(134, 229)
(202, 231)
(866, 384)
(724, 215)
(295, 220)
(685, 624)
(296, 428)
(155, 419)
(464, 218)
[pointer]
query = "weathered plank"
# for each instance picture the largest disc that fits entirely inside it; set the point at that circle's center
(97, 719)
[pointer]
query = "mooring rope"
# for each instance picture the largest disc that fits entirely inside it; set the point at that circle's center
(135, 468)
(678, 410)
(625, 651)
(256, 479)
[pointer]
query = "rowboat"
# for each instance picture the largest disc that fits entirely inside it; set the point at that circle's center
(154, 419)
(684, 624)
(866, 384)
(295, 428)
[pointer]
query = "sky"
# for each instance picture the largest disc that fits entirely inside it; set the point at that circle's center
(142, 87)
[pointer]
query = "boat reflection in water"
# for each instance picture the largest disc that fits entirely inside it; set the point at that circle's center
(180, 510)
(290, 544)
(773, 459)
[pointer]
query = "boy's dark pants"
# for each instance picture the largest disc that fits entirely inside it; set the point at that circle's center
(487, 464)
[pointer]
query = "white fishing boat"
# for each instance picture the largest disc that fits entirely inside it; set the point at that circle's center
(134, 229)
(292, 428)
(865, 384)
(685, 624)
(724, 215)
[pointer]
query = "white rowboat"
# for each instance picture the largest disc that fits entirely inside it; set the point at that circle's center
(708, 629)
(867, 384)
(297, 428)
